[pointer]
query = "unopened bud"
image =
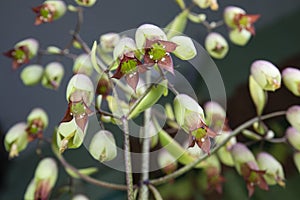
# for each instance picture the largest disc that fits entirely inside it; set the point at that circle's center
(239, 37)
(53, 75)
(83, 65)
(291, 79)
(166, 161)
(293, 116)
(86, 3)
(32, 75)
(293, 136)
(216, 45)
(108, 41)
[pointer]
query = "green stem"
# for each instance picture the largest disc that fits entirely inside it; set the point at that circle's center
(127, 155)
(234, 133)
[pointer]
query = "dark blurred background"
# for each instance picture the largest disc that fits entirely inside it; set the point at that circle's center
(277, 40)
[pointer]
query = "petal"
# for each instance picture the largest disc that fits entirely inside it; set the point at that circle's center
(81, 121)
(132, 80)
(250, 189)
(169, 46)
(186, 49)
(166, 63)
(124, 46)
(192, 141)
(148, 62)
(68, 117)
(206, 145)
(118, 74)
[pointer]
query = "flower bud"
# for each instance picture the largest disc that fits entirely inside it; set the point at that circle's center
(196, 18)
(44, 180)
(297, 160)
(230, 14)
(266, 75)
(224, 153)
(69, 135)
(80, 197)
(187, 111)
(83, 86)
(239, 37)
(103, 146)
(291, 80)
(50, 10)
(150, 32)
(274, 171)
(83, 65)
(53, 75)
(86, 3)
(37, 121)
(185, 49)
(293, 116)
(216, 45)
(213, 4)
(215, 116)
(16, 139)
(166, 161)
(54, 50)
(293, 136)
(32, 75)
(22, 52)
(108, 41)
(258, 95)
(178, 24)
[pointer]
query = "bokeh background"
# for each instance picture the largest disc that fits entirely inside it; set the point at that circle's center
(277, 40)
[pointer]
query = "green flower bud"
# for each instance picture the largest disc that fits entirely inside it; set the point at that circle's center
(291, 80)
(266, 75)
(54, 50)
(274, 171)
(124, 46)
(241, 155)
(83, 86)
(197, 18)
(16, 139)
(293, 136)
(213, 4)
(239, 37)
(80, 197)
(37, 121)
(187, 111)
(293, 116)
(230, 13)
(297, 160)
(83, 65)
(224, 153)
(32, 75)
(216, 45)
(150, 32)
(178, 24)
(44, 180)
(86, 3)
(72, 8)
(69, 135)
(258, 95)
(166, 161)
(53, 75)
(185, 49)
(103, 146)
(108, 41)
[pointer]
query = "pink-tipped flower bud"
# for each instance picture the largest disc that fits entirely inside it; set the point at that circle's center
(291, 79)
(274, 171)
(266, 75)
(293, 136)
(216, 45)
(108, 41)
(86, 3)
(32, 75)
(293, 116)
(83, 65)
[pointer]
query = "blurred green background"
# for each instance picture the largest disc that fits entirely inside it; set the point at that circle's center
(277, 40)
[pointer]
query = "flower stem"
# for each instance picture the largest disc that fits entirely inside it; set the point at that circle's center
(127, 155)
(234, 133)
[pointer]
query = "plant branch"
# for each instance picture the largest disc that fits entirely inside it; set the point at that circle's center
(127, 157)
(234, 133)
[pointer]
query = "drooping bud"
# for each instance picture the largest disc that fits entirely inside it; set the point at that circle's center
(213, 4)
(86, 3)
(50, 10)
(16, 139)
(293, 136)
(274, 171)
(108, 41)
(239, 37)
(291, 80)
(32, 75)
(266, 75)
(293, 116)
(37, 121)
(224, 153)
(69, 135)
(197, 18)
(103, 146)
(258, 95)
(241, 154)
(216, 45)
(185, 49)
(44, 180)
(215, 116)
(54, 50)
(83, 65)
(82, 87)
(166, 161)
(53, 74)
(80, 197)
(22, 52)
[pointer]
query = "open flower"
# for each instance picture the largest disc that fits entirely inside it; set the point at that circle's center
(53, 75)
(216, 45)
(22, 52)
(37, 121)
(50, 10)
(246, 166)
